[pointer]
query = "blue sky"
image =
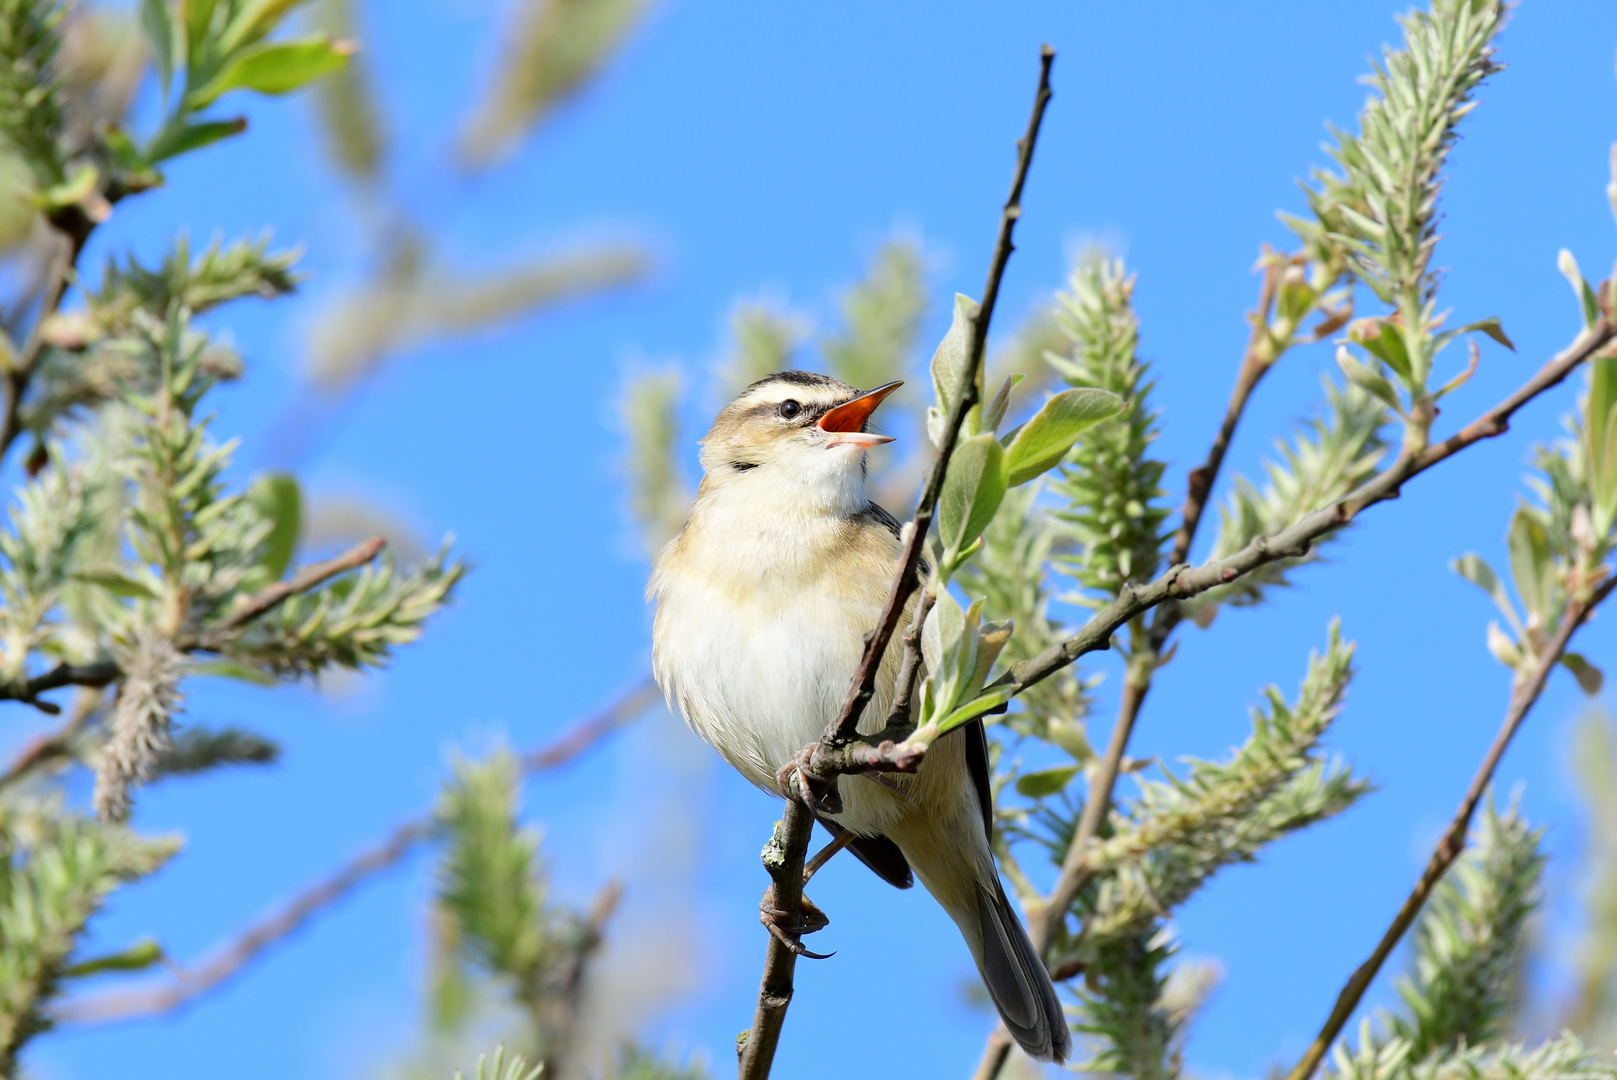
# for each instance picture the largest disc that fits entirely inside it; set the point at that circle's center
(773, 147)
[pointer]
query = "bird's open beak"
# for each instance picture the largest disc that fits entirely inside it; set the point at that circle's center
(846, 421)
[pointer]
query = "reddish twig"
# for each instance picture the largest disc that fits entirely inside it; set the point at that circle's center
(784, 860)
(1453, 841)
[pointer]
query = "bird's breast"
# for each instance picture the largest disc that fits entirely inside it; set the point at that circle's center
(759, 628)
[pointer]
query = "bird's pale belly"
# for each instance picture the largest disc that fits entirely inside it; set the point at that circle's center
(760, 681)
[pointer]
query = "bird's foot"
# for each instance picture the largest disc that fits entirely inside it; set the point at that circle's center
(809, 920)
(818, 792)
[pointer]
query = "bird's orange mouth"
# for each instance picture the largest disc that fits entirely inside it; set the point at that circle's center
(846, 422)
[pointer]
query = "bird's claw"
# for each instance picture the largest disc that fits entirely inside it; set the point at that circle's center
(809, 920)
(818, 792)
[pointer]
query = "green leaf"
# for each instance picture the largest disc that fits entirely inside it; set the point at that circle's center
(71, 191)
(277, 498)
(274, 68)
(256, 19)
(1476, 570)
(1043, 441)
(1491, 327)
(977, 706)
(1037, 785)
(950, 364)
(176, 140)
(972, 490)
(1002, 400)
(163, 30)
(115, 581)
(1590, 678)
(1383, 339)
(1587, 301)
(1368, 379)
(198, 20)
(138, 957)
(1600, 432)
(226, 668)
(1531, 564)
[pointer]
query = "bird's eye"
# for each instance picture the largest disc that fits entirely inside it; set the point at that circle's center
(789, 409)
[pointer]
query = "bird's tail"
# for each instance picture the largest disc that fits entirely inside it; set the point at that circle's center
(1015, 977)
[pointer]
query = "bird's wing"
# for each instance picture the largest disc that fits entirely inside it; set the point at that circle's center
(976, 737)
(883, 856)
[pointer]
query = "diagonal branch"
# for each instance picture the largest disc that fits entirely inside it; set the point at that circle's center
(103, 672)
(305, 579)
(231, 958)
(785, 856)
(1453, 841)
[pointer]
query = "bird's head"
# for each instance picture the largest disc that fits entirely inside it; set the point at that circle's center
(800, 430)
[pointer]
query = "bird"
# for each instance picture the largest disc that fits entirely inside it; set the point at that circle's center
(762, 604)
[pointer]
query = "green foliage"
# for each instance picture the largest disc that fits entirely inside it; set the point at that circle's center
(1468, 943)
(1592, 1013)
(637, 1063)
(30, 92)
(1112, 488)
(1381, 209)
(495, 1066)
(1123, 1013)
(1562, 1058)
(1329, 455)
(1559, 546)
(57, 870)
(659, 494)
(554, 47)
(881, 318)
(490, 882)
(1008, 575)
(196, 750)
(1176, 833)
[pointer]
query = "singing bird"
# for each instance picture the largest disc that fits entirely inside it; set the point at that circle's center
(763, 600)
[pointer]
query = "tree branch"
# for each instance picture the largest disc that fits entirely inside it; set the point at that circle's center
(103, 672)
(1453, 841)
(1182, 581)
(784, 857)
(304, 580)
(229, 959)
(75, 229)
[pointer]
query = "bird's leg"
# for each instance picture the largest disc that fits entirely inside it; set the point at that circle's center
(812, 919)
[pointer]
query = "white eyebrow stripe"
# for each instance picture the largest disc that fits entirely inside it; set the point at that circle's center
(776, 392)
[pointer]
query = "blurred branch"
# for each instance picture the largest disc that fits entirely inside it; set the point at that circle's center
(76, 229)
(1453, 841)
(231, 958)
(555, 48)
(785, 855)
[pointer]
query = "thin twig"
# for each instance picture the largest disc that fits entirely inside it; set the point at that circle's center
(1181, 582)
(52, 746)
(304, 580)
(1453, 841)
(563, 1020)
(1199, 484)
(229, 959)
(105, 671)
(784, 861)
(784, 857)
(863, 685)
